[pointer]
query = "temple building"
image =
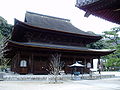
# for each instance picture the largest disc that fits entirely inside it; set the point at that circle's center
(106, 9)
(34, 41)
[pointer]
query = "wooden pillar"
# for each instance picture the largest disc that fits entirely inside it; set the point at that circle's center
(91, 61)
(29, 63)
(85, 63)
(32, 63)
(17, 61)
(85, 67)
(99, 66)
(13, 63)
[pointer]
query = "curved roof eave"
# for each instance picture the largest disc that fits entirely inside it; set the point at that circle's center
(63, 47)
(104, 9)
(17, 22)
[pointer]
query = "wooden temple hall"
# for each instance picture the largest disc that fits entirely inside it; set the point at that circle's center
(37, 38)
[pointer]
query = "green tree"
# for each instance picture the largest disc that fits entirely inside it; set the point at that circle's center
(113, 39)
(5, 28)
(101, 44)
(112, 36)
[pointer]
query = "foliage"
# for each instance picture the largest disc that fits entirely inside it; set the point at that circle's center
(3, 61)
(5, 28)
(113, 39)
(113, 64)
(90, 32)
(4, 64)
(101, 44)
(112, 36)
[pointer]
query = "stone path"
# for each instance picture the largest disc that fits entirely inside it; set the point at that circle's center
(102, 84)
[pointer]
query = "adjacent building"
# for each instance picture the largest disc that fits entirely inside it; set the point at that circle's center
(106, 9)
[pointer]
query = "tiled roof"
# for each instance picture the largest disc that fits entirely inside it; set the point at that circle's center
(53, 23)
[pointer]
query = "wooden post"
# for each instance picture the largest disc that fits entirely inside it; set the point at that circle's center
(29, 63)
(13, 63)
(17, 61)
(85, 63)
(99, 66)
(32, 65)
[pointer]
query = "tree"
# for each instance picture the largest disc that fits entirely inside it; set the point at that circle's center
(112, 36)
(5, 28)
(101, 44)
(5, 31)
(113, 39)
(3, 61)
(55, 65)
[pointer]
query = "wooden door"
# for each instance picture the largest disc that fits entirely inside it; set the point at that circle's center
(40, 66)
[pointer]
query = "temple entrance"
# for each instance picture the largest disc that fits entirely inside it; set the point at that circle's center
(40, 65)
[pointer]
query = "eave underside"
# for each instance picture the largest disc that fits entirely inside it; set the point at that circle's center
(73, 32)
(61, 48)
(108, 10)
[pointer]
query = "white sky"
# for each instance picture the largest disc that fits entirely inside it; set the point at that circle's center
(10, 9)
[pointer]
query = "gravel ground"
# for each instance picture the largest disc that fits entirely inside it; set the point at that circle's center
(102, 84)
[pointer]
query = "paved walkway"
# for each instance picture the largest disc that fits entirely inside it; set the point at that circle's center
(102, 84)
(109, 73)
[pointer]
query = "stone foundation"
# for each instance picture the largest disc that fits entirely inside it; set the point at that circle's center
(51, 77)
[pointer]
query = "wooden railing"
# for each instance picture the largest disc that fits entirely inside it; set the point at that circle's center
(80, 3)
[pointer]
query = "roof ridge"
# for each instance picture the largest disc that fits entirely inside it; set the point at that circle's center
(47, 16)
(54, 23)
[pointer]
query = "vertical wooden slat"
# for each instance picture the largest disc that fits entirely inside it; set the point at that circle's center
(29, 63)
(85, 63)
(32, 63)
(99, 65)
(17, 62)
(13, 63)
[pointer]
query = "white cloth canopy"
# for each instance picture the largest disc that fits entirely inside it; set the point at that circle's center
(76, 65)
